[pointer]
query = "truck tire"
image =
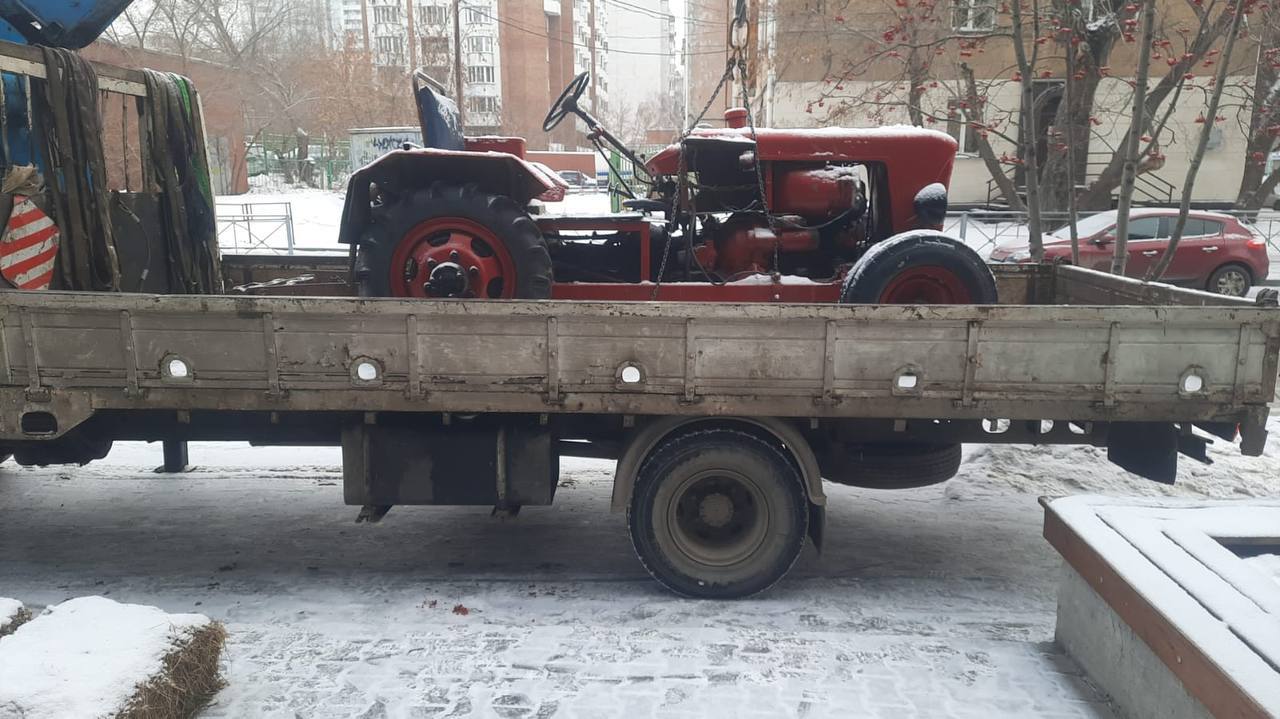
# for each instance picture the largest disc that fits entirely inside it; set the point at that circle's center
(453, 241)
(920, 268)
(718, 514)
(1232, 280)
(892, 465)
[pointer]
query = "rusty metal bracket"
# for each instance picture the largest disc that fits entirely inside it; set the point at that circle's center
(971, 362)
(413, 386)
(1242, 359)
(131, 388)
(35, 392)
(272, 355)
(553, 362)
(690, 363)
(1109, 366)
(828, 396)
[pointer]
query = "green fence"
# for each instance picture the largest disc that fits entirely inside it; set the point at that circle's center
(625, 168)
(283, 161)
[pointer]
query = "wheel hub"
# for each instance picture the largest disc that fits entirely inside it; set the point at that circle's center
(447, 279)
(1232, 282)
(718, 518)
(716, 510)
(451, 257)
(926, 285)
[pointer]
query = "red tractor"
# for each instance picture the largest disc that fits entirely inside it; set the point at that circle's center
(727, 215)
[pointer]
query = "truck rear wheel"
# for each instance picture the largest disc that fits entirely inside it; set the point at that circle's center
(718, 514)
(450, 241)
(920, 268)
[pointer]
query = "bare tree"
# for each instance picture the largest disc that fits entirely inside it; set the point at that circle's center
(1137, 123)
(1158, 269)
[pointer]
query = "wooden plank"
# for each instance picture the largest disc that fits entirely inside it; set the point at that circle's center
(28, 60)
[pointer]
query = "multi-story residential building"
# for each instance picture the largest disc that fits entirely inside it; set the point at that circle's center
(517, 55)
(849, 63)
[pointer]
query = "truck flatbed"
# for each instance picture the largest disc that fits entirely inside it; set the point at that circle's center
(403, 383)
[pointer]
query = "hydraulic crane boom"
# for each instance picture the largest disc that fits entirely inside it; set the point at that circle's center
(57, 23)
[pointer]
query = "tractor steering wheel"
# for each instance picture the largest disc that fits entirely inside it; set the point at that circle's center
(567, 102)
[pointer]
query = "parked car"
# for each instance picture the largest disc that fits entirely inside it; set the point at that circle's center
(578, 179)
(1217, 252)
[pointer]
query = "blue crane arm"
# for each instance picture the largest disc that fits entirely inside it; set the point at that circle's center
(57, 23)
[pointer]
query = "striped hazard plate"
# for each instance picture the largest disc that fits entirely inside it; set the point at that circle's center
(28, 247)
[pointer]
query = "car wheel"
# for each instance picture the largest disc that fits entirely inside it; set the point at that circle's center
(1230, 280)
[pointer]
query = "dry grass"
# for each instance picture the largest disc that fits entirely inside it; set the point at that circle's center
(188, 681)
(22, 617)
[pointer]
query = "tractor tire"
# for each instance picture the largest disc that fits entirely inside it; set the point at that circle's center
(453, 241)
(718, 514)
(892, 465)
(920, 268)
(1232, 280)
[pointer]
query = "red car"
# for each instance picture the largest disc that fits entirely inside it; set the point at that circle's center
(1217, 252)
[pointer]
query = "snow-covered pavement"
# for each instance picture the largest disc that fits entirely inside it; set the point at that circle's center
(929, 602)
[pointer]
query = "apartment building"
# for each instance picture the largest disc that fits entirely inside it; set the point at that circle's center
(517, 55)
(828, 66)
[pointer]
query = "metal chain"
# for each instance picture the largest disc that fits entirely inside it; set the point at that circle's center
(741, 62)
(682, 185)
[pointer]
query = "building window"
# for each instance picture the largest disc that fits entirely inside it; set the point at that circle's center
(435, 50)
(433, 15)
(482, 105)
(974, 15)
(386, 14)
(480, 43)
(480, 73)
(815, 6)
(475, 16)
(958, 127)
(390, 44)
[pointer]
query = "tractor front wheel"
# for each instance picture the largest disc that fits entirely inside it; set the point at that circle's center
(920, 268)
(448, 241)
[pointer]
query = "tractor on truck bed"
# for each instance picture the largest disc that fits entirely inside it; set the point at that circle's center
(734, 214)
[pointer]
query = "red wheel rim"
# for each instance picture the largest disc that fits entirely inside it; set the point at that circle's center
(926, 285)
(451, 257)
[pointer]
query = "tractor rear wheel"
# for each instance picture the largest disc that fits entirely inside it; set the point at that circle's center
(920, 268)
(453, 241)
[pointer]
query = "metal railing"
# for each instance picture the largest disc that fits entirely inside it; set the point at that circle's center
(256, 228)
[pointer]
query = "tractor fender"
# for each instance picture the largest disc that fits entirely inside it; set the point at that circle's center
(495, 173)
(641, 442)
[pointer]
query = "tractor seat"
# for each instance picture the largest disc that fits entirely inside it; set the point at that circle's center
(646, 205)
(438, 116)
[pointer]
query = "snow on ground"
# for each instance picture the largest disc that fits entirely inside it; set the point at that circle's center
(930, 602)
(86, 656)
(1000, 469)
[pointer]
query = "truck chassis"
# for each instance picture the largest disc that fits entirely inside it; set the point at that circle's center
(464, 402)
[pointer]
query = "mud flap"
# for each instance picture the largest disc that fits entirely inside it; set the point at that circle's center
(1148, 449)
(817, 524)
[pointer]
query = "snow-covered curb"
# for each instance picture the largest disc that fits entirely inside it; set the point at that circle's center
(93, 657)
(12, 615)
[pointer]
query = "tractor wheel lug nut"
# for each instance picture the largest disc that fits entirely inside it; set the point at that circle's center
(432, 262)
(454, 256)
(473, 271)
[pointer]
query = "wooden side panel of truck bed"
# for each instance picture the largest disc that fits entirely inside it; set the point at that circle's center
(71, 354)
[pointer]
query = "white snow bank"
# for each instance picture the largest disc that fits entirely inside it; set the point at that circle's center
(86, 657)
(1001, 469)
(1268, 564)
(11, 613)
